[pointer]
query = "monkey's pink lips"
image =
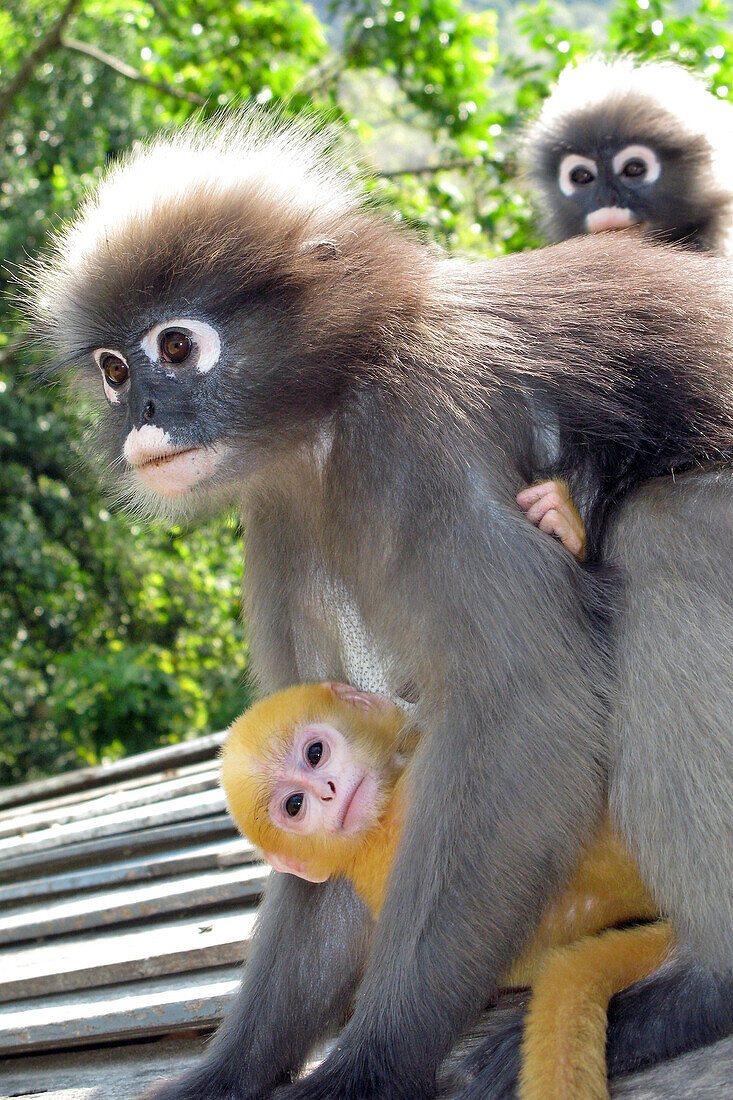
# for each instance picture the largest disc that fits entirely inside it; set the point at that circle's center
(172, 472)
(357, 811)
(169, 456)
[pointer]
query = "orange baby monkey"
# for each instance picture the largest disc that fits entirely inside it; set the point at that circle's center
(314, 777)
(318, 777)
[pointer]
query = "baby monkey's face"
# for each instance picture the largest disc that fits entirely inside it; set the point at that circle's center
(323, 784)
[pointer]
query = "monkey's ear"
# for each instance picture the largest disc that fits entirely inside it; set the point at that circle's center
(292, 867)
(321, 249)
(364, 700)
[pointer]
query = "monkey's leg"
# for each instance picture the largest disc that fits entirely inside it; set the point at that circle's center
(505, 786)
(564, 1045)
(303, 966)
(671, 784)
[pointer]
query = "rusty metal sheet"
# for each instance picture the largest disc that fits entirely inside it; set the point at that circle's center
(143, 763)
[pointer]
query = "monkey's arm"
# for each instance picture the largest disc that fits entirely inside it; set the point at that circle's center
(550, 507)
(564, 1045)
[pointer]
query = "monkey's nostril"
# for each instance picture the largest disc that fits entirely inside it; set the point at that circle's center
(332, 785)
(149, 411)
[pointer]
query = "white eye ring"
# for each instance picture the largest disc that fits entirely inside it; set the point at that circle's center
(638, 152)
(568, 163)
(112, 393)
(203, 336)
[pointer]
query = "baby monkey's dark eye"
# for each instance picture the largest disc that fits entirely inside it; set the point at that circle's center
(293, 805)
(314, 752)
(175, 346)
(634, 168)
(580, 175)
(116, 370)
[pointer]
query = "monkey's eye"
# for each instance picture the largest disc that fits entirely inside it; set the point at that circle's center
(183, 340)
(174, 345)
(576, 172)
(634, 168)
(637, 163)
(581, 175)
(313, 753)
(293, 805)
(114, 368)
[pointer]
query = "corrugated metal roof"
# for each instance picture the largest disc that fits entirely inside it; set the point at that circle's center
(127, 902)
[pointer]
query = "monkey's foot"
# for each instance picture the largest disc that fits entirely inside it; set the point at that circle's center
(549, 507)
(355, 1078)
(203, 1082)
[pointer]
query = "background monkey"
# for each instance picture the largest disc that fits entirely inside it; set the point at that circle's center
(317, 776)
(619, 143)
(372, 409)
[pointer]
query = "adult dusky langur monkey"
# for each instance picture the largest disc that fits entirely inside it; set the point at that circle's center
(254, 335)
(619, 143)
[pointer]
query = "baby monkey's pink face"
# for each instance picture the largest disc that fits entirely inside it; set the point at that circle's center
(322, 785)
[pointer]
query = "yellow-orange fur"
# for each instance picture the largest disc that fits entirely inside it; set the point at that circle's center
(564, 1046)
(607, 889)
(574, 964)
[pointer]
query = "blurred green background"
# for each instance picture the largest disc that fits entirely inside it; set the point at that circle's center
(114, 637)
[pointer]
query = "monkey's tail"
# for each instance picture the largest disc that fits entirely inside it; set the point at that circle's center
(682, 1007)
(564, 1045)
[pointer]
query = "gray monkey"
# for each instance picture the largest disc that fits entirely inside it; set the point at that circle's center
(619, 143)
(253, 335)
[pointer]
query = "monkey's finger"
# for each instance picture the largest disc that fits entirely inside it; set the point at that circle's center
(532, 493)
(551, 501)
(557, 524)
(364, 700)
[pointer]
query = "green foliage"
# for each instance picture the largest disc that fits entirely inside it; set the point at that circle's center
(117, 637)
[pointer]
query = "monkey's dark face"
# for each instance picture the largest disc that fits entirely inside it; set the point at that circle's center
(180, 384)
(599, 174)
(159, 386)
(609, 188)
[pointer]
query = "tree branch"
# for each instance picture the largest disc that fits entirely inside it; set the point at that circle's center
(48, 43)
(431, 169)
(129, 73)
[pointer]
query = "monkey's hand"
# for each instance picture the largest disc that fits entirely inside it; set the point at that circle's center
(203, 1082)
(364, 700)
(549, 507)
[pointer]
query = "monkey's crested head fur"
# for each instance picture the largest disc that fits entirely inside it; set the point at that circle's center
(259, 740)
(248, 328)
(228, 268)
(605, 113)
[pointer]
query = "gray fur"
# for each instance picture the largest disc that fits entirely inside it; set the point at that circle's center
(377, 409)
(672, 777)
(672, 780)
